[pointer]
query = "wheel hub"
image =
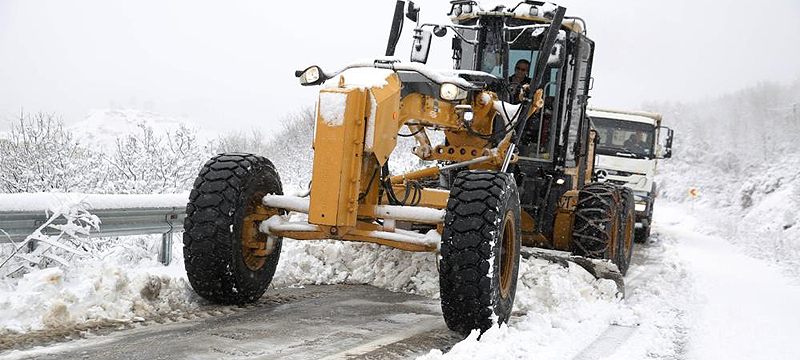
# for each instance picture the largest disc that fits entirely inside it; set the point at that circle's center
(508, 253)
(256, 246)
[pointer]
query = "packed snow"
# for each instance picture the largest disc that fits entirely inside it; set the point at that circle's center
(332, 106)
(361, 78)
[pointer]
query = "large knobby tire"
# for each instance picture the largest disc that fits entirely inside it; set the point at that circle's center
(597, 227)
(627, 226)
(228, 261)
(480, 251)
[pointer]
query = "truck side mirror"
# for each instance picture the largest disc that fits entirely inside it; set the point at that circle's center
(413, 12)
(422, 45)
(668, 150)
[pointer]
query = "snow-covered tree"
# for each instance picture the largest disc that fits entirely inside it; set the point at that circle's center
(40, 155)
(147, 162)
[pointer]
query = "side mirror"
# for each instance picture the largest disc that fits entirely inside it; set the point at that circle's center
(312, 75)
(668, 149)
(413, 12)
(666, 152)
(422, 45)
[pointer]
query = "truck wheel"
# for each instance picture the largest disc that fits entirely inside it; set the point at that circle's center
(643, 233)
(627, 225)
(228, 261)
(597, 229)
(480, 251)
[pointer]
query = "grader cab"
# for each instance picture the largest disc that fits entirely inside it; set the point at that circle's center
(514, 168)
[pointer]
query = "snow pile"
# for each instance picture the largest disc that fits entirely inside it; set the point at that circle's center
(338, 262)
(117, 286)
(560, 307)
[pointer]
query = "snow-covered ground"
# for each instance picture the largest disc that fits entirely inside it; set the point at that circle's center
(690, 294)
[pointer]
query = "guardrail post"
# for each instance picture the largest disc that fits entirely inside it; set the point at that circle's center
(165, 254)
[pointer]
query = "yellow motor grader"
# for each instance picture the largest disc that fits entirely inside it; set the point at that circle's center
(514, 168)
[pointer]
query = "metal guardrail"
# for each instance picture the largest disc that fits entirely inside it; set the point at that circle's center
(113, 222)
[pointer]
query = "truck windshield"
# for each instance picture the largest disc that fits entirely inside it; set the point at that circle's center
(624, 138)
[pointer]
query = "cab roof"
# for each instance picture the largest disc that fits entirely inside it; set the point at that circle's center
(464, 11)
(626, 115)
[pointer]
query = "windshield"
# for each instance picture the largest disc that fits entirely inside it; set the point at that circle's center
(624, 138)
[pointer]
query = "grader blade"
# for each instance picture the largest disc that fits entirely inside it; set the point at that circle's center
(600, 269)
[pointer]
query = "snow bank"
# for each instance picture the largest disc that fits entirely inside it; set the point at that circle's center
(337, 262)
(560, 307)
(120, 286)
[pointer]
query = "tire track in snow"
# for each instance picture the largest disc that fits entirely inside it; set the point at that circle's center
(647, 263)
(607, 343)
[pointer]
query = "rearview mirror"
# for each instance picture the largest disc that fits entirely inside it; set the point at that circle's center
(413, 12)
(666, 152)
(312, 75)
(422, 45)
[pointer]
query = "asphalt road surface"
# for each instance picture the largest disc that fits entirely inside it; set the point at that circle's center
(316, 322)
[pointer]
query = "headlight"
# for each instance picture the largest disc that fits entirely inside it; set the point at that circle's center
(452, 92)
(310, 76)
(456, 10)
(534, 11)
(467, 8)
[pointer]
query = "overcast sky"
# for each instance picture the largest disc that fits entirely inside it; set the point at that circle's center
(228, 65)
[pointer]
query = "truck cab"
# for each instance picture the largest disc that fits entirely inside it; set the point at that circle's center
(627, 154)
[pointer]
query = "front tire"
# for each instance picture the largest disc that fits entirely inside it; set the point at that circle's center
(480, 251)
(228, 261)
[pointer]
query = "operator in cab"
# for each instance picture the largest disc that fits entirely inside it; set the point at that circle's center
(519, 79)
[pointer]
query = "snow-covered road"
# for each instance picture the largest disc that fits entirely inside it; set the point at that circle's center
(744, 309)
(690, 295)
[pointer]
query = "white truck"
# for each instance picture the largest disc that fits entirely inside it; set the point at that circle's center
(629, 144)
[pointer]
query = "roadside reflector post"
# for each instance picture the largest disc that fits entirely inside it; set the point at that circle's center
(693, 194)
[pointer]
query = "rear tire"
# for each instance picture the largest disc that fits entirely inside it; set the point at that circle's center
(627, 227)
(480, 251)
(643, 233)
(598, 227)
(228, 261)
